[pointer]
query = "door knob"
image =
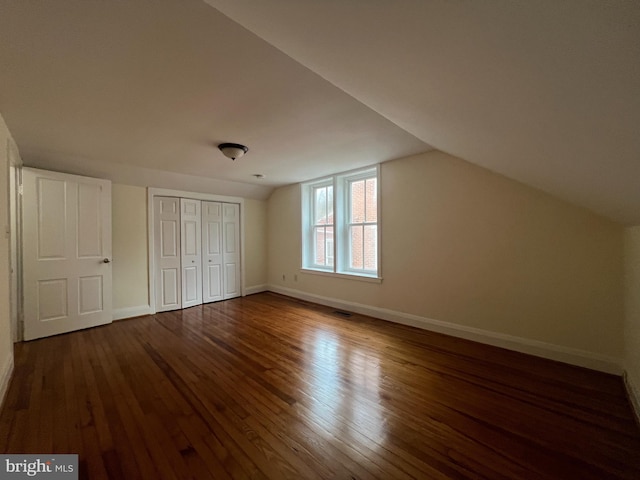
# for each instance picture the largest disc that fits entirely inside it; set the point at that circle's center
(106, 260)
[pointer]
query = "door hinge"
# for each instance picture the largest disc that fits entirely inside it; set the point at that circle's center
(20, 190)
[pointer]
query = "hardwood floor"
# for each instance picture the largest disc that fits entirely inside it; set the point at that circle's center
(269, 387)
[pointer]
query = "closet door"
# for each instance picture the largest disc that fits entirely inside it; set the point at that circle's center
(191, 252)
(167, 253)
(212, 278)
(231, 249)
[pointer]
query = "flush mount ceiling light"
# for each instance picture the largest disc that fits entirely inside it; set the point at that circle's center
(233, 150)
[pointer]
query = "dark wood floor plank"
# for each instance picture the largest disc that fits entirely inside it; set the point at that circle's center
(91, 463)
(267, 387)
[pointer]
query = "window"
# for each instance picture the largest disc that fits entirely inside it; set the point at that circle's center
(340, 217)
(362, 223)
(323, 225)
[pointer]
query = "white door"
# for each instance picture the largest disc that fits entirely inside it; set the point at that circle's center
(167, 254)
(212, 252)
(191, 252)
(66, 252)
(231, 249)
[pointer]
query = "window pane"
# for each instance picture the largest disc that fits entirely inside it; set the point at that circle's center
(357, 201)
(328, 246)
(319, 238)
(323, 205)
(371, 200)
(355, 254)
(370, 253)
(320, 206)
(323, 246)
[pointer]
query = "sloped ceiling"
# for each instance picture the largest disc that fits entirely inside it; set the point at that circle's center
(545, 92)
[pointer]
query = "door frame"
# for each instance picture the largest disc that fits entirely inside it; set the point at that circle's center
(164, 192)
(14, 177)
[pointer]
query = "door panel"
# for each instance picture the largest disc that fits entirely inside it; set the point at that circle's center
(52, 299)
(214, 283)
(169, 239)
(213, 243)
(170, 288)
(190, 240)
(191, 252)
(168, 285)
(230, 237)
(168, 205)
(230, 281)
(190, 290)
(89, 215)
(51, 212)
(90, 295)
(67, 234)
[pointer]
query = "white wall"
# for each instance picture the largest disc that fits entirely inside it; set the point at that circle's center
(130, 257)
(6, 343)
(482, 253)
(632, 313)
(255, 249)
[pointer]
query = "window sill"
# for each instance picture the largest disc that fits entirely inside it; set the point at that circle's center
(346, 276)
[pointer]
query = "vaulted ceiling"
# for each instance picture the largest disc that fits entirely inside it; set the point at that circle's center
(545, 92)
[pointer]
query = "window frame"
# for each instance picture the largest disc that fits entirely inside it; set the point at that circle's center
(309, 225)
(341, 222)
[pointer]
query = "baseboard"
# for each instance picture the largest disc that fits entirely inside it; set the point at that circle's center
(572, 356)
(633, 392)
(5, 379)
(129, 312)
(256, 289)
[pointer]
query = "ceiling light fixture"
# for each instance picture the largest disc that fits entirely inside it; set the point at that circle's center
(233, 150)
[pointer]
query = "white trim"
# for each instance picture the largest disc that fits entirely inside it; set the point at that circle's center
(14, 201)
(256, 289)
(129, 312)
(633, 392)
(242, 226)
(151, 279)
(165, 192)
(348, 276)
(5, 379)
(573, 356)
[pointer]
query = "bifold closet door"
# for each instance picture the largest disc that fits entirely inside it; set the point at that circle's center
(167, 253)
(197, 252)
(212, 267)
(191, 252)
(221, 250)
(231, 250)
